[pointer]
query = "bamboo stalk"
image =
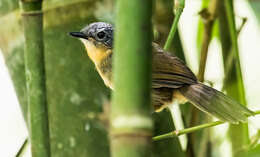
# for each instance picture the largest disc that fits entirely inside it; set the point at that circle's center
(233, 85)
(229, 60)
(191, 129)
(35, 78)
(179, 6)
(233, 35)
(130, 118)
(209, 16)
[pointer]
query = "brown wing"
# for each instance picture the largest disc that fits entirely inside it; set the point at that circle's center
(169, 71)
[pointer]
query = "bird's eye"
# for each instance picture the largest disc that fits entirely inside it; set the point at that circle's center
(101, 35)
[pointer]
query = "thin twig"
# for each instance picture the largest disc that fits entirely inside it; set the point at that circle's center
(186, 131)
(230, 58)
(190, 130)
(179, 5)
(21, 150)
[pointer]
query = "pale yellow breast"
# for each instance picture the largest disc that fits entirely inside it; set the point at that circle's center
(106, 80)
(96, 54)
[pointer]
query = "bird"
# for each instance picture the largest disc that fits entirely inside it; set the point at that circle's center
(172, 80)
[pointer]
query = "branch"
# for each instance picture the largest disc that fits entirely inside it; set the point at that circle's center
(208, 16)
(22, 149)
(190, 130)
(230, 57)
(179, 6)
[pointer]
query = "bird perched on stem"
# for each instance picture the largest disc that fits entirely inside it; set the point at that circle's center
(171, 78)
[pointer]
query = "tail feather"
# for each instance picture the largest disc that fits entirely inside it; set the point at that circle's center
(215, 103)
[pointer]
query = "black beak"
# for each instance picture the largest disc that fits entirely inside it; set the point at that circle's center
(78, 35)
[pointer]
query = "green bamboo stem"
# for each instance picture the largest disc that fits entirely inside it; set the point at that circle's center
(250, 146)
(230, 59)
(185, 131)
(190, 130)
(233, 35)
(233, 85)
(179, 6)
(130, 118)
(35, 78)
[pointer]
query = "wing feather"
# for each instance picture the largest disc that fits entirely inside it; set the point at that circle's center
(169, 71)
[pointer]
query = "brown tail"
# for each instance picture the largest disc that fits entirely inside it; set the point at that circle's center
(215, 103)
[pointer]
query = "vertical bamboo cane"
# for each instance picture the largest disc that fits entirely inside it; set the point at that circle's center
(233, 85)
(179, 9)
(131, 123)
(35, 78)
(208, 16)
(233, 36)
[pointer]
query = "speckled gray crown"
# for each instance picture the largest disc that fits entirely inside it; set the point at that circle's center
(93, 29)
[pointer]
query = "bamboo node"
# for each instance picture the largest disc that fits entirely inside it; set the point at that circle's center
(146, 135)
(32, 13)
(133, 121)
(176, 132)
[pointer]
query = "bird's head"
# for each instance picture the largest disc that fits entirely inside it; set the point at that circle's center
(98, 40)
